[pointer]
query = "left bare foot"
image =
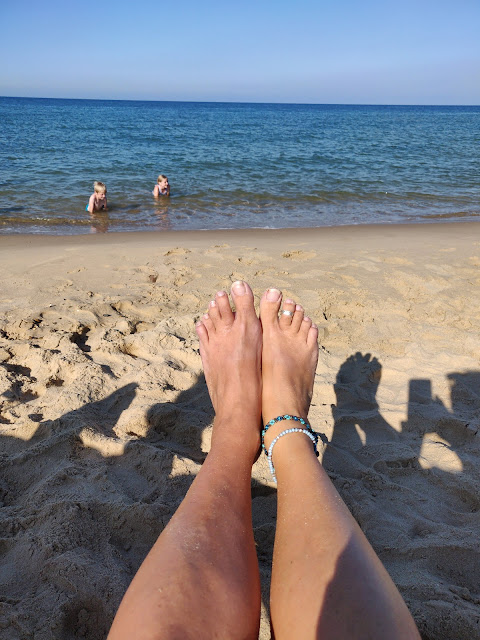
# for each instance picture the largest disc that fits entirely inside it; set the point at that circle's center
(231, 351)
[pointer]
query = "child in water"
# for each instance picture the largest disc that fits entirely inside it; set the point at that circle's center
(162, 188)
(98, 199)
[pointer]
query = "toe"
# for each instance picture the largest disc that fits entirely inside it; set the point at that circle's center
(269, 306)
(305, 327)
(243, 298)
(208, 324)
(202, 332)
(286, 315)
(297, 317)
(312, 336)
(224, 308)
(214, 313)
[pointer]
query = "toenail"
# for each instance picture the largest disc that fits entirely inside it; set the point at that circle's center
(298, 307)
(199, 324)
(221, 293)
(206, 316)
(273, 295)
(306, 319)
(288, 301)
(213, 303)
(239, 288)
(314, 326)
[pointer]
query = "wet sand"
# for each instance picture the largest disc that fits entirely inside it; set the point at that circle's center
(105, 418)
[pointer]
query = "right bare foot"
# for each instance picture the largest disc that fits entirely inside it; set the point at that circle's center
(289, 360)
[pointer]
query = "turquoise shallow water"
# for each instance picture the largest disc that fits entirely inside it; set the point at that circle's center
(234, 165)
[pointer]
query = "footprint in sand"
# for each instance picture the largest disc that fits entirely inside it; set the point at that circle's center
(299, 255)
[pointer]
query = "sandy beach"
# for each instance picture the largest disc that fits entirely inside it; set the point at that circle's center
(105, 418)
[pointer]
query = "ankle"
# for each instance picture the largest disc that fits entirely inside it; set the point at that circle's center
(277, 423)
(234, 457)
(237, 436)
(238, 417)
(289, 435)
(294, 406)
(291, 449)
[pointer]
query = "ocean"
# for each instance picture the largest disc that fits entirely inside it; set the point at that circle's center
(234, 165)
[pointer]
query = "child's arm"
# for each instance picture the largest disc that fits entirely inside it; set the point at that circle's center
(168, 190)
(105, 205)
(91, 204)
(155, 191)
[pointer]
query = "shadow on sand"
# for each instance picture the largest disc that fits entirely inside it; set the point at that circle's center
(84, 547)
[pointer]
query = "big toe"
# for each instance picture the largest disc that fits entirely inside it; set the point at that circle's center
(269, 307)
(243, 298)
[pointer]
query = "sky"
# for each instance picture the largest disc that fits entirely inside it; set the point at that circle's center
(307, 51)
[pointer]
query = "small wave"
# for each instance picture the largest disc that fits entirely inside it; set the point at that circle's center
(447, 216)
(35, 221)
(6, 210)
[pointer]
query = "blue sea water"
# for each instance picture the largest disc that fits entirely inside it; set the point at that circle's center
(234, 165)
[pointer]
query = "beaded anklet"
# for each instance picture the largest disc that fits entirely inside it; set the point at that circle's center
(312, 435)
(305, 428)
(279, 419)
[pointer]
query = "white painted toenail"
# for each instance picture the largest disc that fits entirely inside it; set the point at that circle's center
(298, 307)
(306, 319)
(221, 293)
(213, 303)
(288, 301)
(273, 295)
(206, 316)
(239, 288)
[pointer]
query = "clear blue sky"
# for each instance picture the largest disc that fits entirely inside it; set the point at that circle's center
(343, 51)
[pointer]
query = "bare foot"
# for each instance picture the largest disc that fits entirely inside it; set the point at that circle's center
(289, 360)
(231, 351)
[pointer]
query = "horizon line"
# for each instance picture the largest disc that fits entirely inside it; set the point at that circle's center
(320, 104)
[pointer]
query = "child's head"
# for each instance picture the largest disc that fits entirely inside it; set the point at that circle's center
(100, 188)
(162, 180)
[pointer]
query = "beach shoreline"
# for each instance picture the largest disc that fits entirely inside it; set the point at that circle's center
(437, 230)
(105, 418)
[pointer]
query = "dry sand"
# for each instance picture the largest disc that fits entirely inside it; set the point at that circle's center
(105, 418)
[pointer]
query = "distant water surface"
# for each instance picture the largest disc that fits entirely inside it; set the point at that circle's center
(234, 165)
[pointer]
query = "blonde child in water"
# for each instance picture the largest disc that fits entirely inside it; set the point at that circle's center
(98, 199)
(162, 188)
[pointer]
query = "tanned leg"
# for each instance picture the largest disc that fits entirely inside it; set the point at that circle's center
(327, 581)
(201, 578)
